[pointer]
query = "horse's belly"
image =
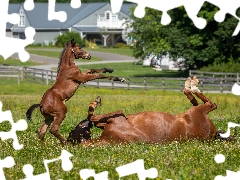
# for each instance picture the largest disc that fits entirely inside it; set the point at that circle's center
(158, 126)
(151, 127)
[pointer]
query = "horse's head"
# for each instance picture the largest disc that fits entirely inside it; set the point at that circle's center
(78, 51)
(81, 132)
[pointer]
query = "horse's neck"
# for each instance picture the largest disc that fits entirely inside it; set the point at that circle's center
(67, 59)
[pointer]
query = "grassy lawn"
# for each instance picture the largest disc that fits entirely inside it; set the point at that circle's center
(130, 70)
(56, 54)
(126, 52)
(17, 62)
(187, 160)
(37, 50)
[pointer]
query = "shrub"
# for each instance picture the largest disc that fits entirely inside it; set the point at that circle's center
(66, 38)
(223, 67)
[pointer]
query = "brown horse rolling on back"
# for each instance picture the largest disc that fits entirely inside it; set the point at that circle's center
(69, 77)
(156, 127)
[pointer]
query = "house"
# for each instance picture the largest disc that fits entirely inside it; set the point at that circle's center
(94, 21)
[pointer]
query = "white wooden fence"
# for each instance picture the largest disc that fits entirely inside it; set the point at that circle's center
(209, 81)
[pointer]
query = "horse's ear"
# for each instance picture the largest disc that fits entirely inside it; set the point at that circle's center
(73, 43)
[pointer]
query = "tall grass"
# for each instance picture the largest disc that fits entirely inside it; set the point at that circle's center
(187, 160)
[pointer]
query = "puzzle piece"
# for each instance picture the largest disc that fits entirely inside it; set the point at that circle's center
(10, 45)
(66, 166)
(8, 162)
(52, 15)
(29, 5)
(137, 167)
(230, 175)
(230, 125)
(87, 173)
(21, 125)
(236, 89)
(60, 15)
(192, 9)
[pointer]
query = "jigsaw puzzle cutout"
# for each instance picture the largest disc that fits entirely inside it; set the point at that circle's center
(230, 125)
(21, 125)
(29, 5)
(60, 15)
(137, 167)
(236, 89)
(66, 166)
(192, 8)
(87, 173)
(230, 175)
(9, 46)
(7, 162)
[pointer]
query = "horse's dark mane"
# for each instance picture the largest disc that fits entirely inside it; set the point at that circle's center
(60, 57)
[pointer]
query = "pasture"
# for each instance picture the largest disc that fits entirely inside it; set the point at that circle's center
(186, 160)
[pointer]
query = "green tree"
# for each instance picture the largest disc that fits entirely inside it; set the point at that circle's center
(213, 44)
(64, 38)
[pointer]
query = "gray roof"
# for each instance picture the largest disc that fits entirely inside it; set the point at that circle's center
(38, 17)
(88, 29)
(126, 9)
(13, 8)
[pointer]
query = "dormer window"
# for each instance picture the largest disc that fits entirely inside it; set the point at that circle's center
(22, 18)
(107, 16)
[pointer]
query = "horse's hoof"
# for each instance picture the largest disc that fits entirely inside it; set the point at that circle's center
(122, 80)
(98, 101)
(105, 70)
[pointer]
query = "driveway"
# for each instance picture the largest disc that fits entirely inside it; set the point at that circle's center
(50, 62)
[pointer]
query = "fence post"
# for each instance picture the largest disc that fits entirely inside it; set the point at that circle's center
(47, 77)
(22, 73)
(98, 83)
(145, 83)
(128, 83)
(163, 83)
(237, 77)
(221, 86)
(18, 75)
(112, 85)
(34, 74)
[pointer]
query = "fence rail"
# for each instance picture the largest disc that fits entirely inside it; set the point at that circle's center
(209, 81)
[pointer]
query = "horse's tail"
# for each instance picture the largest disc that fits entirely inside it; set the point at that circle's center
(30, 110)
(219, 137)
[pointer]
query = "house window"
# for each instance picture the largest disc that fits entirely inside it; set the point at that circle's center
(101, 17)
(107, 16)
(22, 18)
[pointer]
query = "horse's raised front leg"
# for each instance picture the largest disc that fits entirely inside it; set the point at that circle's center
(89, 77)
(103, 70)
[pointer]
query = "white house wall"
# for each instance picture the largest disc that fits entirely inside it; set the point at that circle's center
(92, 19)
(45, 37)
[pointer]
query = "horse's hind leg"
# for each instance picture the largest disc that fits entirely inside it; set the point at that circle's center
(57, 122)
(202, 97)
(42, 130)
(101, 120)
(187, 91)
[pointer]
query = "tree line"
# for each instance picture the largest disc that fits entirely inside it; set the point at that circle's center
(212, 45)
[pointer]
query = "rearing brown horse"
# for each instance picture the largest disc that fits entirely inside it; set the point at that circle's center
(152, 127)
(69, 77)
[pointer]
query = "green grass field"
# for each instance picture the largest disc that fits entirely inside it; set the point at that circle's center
(38, 50)
(17, 62)
(187, 160)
